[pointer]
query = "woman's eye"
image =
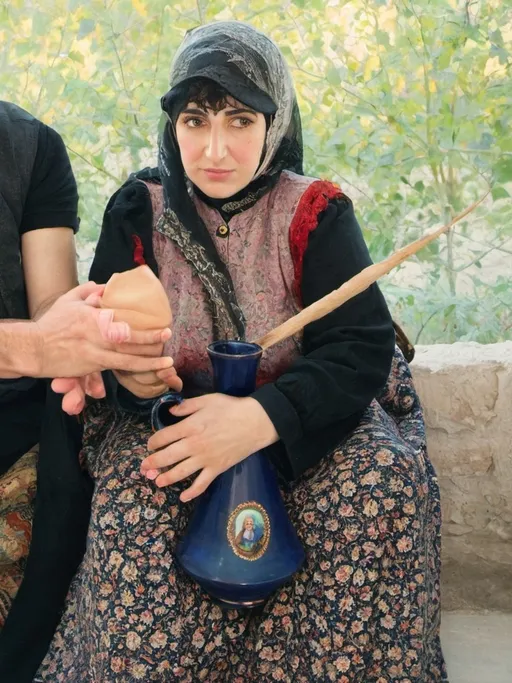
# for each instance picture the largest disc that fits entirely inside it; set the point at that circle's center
(193, 123)
(242, 122)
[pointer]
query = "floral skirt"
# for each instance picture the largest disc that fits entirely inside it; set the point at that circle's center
(364, 607)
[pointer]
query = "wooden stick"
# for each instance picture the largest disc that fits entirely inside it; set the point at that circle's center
(355, 285)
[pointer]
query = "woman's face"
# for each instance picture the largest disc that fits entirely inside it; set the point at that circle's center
(220, 151)
(248, 524)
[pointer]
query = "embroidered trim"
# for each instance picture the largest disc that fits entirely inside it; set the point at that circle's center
(138, 251)
(243, 204)
(314, 200)
(213, 281)
(219, 293)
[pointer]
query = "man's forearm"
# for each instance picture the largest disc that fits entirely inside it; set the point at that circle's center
(47, 304)
(18, 349)
(18, 344)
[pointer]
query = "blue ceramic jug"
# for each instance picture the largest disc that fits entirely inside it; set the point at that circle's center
(240, 545)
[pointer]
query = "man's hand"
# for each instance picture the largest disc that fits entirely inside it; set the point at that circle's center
(75, 389)
(75, 338)
(218, 433)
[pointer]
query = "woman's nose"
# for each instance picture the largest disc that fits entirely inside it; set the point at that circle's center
(216, 147)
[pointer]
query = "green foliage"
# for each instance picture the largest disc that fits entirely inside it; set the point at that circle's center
(406, 104)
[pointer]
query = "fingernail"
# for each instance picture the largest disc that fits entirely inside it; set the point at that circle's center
(152, 474)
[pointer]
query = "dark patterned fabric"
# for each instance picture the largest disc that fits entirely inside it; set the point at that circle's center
(364, 608)
(220, 310)
(17, 492)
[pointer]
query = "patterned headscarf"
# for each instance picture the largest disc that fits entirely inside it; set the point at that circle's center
(252, 69)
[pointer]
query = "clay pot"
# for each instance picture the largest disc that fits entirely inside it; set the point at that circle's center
(139, 299)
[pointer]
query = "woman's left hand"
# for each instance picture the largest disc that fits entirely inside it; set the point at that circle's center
(219, 432)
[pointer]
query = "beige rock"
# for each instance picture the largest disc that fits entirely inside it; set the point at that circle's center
(466, 392)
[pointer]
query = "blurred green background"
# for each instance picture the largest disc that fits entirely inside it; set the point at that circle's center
(407, 105)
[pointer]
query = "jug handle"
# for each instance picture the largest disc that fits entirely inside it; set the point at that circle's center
(160, 415)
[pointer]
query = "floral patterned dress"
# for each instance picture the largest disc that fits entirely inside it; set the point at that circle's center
(364, 607)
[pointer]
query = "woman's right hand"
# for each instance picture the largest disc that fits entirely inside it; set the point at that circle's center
(75, 389)
(150, 384)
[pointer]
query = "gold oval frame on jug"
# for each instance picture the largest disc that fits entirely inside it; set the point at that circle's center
(250, 517)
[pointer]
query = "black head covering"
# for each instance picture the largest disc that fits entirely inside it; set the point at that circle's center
(252, 69)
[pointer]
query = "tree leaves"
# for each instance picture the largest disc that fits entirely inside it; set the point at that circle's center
(407, 105)
(499, 193)
(503, 170)
(86, 26)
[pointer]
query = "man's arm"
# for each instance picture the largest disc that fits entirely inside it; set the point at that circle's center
(75, 338)
(18, 344)
(49, 266)
(48, 225)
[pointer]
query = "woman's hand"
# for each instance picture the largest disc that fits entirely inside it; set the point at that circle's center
(150, 384)
(219, 432)
(75, 389)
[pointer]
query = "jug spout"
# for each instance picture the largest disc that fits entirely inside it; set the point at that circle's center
(234, 365)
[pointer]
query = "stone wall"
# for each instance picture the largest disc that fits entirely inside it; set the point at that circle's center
(466, 391)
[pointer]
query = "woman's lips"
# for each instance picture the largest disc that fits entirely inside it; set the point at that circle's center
(217, 173)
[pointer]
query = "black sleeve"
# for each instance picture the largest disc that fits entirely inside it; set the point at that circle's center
(52, 199)
(347, 354)
(128, 215)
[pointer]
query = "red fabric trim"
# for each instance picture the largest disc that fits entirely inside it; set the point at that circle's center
(138, 251)
(311, 204)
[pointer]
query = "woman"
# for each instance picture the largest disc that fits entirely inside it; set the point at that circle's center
(241, 240)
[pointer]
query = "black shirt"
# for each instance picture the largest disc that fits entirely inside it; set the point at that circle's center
(52, 199)
(35, 166)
